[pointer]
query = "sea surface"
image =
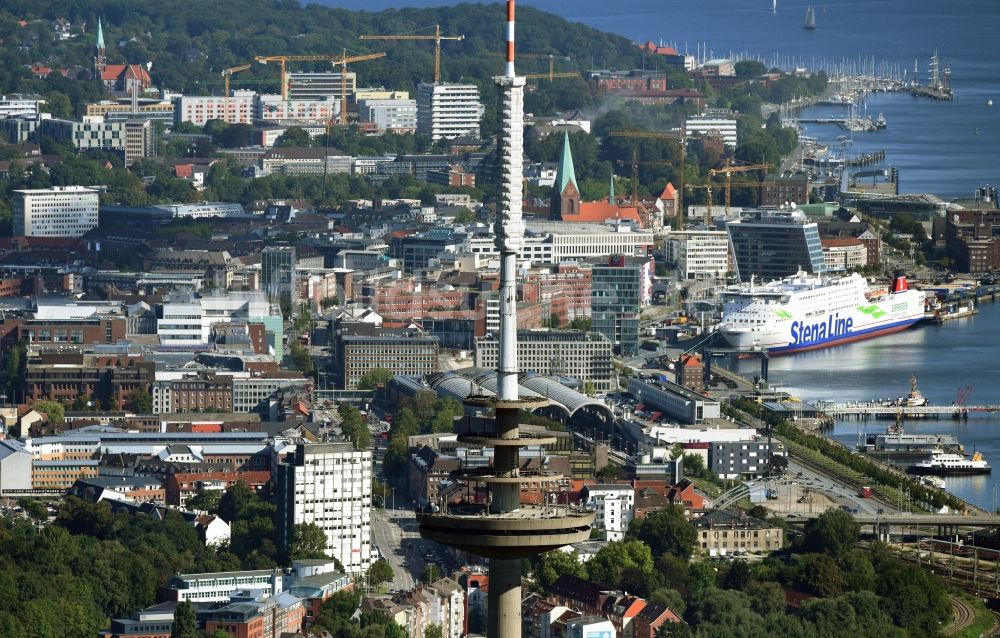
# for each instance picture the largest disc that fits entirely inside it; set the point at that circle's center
(947, 148)
(946, 359)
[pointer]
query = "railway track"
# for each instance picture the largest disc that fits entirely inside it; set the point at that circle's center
(964, 616)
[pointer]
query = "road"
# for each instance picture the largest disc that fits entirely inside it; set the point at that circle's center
(396, 534)
(817, 491)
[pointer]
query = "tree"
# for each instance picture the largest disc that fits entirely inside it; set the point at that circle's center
(294, 136)
(235, 500)
(433, 631)
(665, 532)
(185, 624)
(749, 68)
(406, 422)
(833, 532)
(380, 572)
(430, 573)
(375, 378)
(820, 575)
(140, 402)
(55, 411)
(554, 564)
(204, 500)
(608, 565)
(308, 541)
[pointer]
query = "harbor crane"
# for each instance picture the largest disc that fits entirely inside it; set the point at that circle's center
(728, 171)
(655, 135)
(334, 60)
(437, 37)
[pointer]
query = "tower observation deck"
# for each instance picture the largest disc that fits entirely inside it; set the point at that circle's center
(498, 526)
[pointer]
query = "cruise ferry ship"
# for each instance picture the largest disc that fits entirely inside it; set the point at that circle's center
(941, 462)
(808, 312)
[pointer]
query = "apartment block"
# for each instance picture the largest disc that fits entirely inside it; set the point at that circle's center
(329, 484)
(447, 111)
(571, 353)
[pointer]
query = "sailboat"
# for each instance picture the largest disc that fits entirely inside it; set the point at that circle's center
(774, 6)
(810, 18)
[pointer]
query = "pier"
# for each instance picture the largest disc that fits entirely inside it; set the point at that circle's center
(876, 410)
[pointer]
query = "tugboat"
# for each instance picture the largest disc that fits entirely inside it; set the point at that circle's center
(880, 122)
(942, 462)
(914, 399)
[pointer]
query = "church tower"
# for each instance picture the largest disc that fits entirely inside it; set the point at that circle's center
(101, 59)
(565, 193)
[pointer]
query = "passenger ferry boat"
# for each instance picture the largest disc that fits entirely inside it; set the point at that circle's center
(808, 312)
(942, 462)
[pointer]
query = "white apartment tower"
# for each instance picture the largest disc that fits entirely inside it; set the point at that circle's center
(448, 110)
(722, 124)
(329, 485)
(60, 211)
(232, 109)
(702, 255)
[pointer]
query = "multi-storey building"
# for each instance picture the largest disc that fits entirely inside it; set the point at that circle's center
(92, 132)
(846, 254)
(614, 505)
(277, 269)
(319, 86)
(140, 140)
(200, 392)
(698, 254)
(399, 116)
(237, 108)
(561, 242)
(187, 320)
(619, 290)
(60, 211)
(273, 108)
(771, 244)
(972, 240)
(446, 111)
(582, 355)
(250, 392)
(122, 111)
(219, 586)
(20, 105)
(329, 485)
(722, 532)
(777, 190)
(723, 123)
(67, 373)
(359, 348)
(739, 459)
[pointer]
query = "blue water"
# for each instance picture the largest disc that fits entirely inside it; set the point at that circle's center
(935, 145)
(956, 355)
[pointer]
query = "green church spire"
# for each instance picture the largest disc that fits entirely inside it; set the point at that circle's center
(611, 190)
(565, 173)
(100, 35)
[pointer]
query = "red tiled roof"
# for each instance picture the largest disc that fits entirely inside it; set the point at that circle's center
(669, 192)
(836, 242)
(112, 72)
(602, 211)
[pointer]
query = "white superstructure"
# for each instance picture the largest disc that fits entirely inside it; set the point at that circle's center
(807, 312)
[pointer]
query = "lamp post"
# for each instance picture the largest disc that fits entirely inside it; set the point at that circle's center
(393, 499)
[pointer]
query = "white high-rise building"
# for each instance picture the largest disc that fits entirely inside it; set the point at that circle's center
(721, 124)
(199, 109)
(60, 211)
(702, 255)
(448, 110)
(329, 485)
(389, 115)
(615, 505)
(318, 86)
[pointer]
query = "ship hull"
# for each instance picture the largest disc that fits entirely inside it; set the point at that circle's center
(949, 471)
(774, 346)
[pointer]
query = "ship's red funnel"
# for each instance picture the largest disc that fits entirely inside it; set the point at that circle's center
(900, 285)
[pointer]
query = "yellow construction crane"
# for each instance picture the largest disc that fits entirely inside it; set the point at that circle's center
(437, 37)
(228, 73)
(656, 135)
(728, 171)
(551, 75)
(342, 60)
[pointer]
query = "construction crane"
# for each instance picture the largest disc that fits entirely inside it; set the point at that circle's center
(655, 135)
(437, 37)
(342, 60)
(551, 75)
(228, 73)
(728, 171)
(708, 189)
